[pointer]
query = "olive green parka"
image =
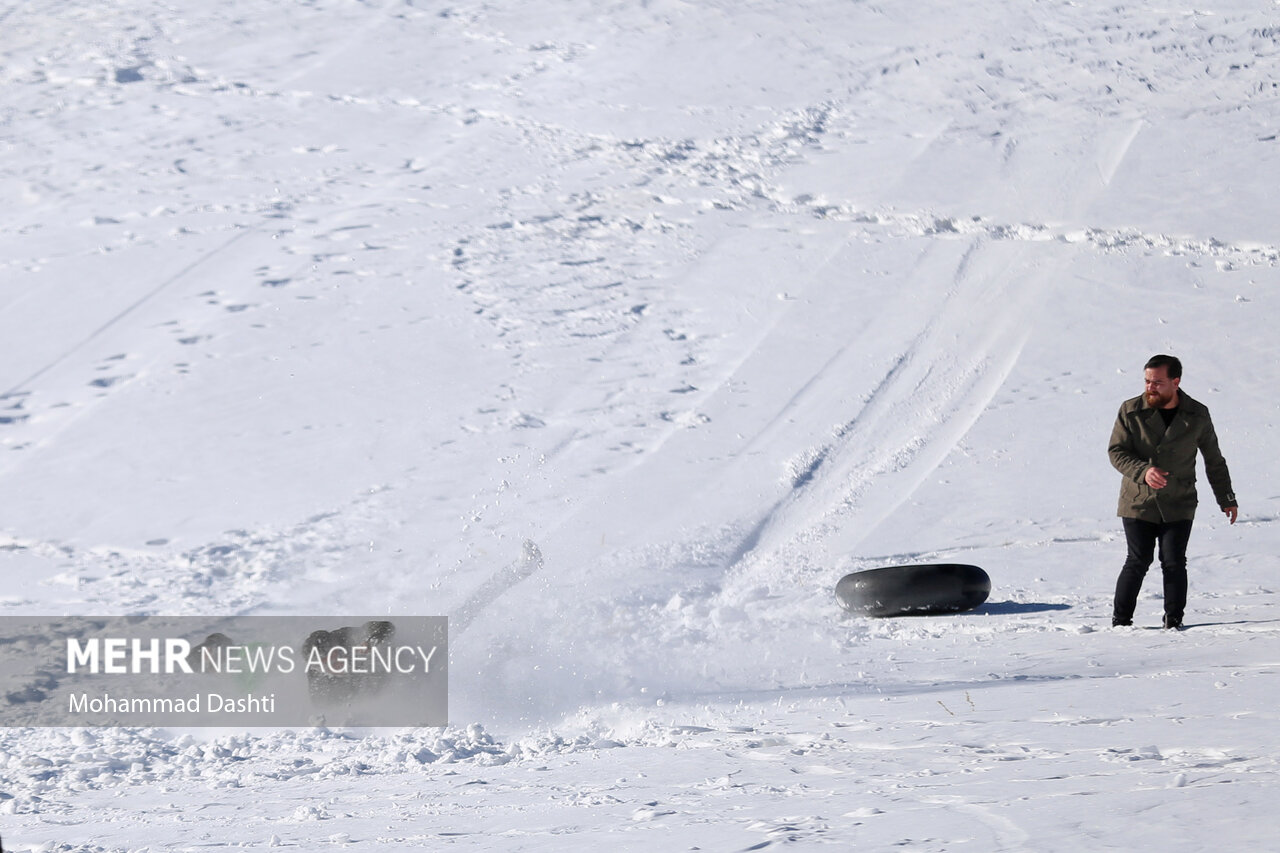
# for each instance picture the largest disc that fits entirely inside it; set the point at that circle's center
(1140, 440)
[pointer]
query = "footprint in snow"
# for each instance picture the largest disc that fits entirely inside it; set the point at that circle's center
(109, 381)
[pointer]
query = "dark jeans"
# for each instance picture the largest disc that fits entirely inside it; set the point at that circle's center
(1142, 537)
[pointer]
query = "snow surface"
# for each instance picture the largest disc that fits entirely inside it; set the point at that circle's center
(332, 306)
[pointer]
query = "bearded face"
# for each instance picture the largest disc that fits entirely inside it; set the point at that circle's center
(1160, 391)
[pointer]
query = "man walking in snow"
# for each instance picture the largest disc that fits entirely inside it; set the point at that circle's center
(1154, 445)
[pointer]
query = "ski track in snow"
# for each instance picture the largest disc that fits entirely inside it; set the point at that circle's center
(566, 222)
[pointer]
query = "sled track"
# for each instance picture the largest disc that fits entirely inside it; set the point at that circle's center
(927, 400)
(978, 298)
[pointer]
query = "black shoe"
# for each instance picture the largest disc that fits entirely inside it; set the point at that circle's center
(1117, 622)
(1172, 623)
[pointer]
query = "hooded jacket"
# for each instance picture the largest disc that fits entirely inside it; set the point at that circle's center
(1140, 440)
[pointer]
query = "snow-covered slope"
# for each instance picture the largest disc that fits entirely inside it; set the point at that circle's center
(617, 333)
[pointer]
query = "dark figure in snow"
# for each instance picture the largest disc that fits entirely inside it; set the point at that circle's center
(1154, 445)
(338, 664)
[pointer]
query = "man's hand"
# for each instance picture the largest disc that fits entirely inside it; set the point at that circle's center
(1156, 478)
(1232, 512)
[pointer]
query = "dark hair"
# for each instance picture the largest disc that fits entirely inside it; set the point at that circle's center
(1170, 362)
